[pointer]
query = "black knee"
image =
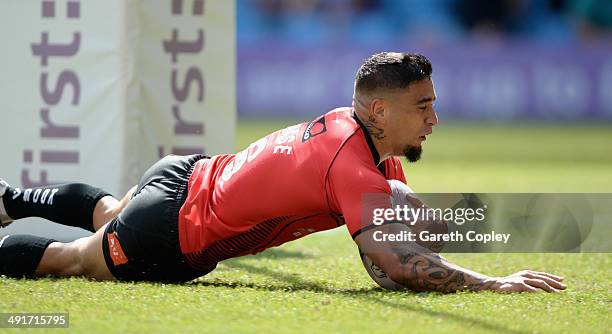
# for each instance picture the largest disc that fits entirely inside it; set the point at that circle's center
(70, 204)
(20, 254)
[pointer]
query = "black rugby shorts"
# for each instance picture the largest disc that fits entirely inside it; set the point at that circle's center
(142, 243)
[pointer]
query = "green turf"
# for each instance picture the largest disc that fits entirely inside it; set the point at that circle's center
(317, 284)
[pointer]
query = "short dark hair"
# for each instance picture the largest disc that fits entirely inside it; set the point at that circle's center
(391, 70)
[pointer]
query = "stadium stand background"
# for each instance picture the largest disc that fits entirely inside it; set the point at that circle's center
(502, 60)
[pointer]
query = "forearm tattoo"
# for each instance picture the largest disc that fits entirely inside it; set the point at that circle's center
(373, 129)
(431, 273)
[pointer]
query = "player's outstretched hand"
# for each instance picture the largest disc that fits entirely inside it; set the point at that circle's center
(529, 281)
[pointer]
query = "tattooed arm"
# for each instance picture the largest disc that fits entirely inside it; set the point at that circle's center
(419, 269)
(426, 271)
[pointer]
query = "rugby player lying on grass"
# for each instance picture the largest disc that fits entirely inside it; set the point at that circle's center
(190, 212)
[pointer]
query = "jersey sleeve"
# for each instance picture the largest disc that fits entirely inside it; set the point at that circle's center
(356, 188)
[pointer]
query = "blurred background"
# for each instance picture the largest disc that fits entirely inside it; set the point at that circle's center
(524, 86)
(497, 60)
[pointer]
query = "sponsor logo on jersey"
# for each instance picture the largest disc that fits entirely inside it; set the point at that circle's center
(314, 128)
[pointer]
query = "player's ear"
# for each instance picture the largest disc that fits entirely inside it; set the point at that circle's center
(377, 110)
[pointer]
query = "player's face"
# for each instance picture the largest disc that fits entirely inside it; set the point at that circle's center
(411, 118)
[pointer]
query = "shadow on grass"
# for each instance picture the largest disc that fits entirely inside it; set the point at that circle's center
(295, 283)
(274, 253)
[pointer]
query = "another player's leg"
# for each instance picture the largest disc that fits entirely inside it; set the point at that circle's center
(82, 257)
(31, 256)
(73, 204)
(108, 207)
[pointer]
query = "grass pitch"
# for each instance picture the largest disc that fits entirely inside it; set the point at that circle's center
(317, 284)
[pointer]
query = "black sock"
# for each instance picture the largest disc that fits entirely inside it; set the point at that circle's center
(20, 254)
(70, 204)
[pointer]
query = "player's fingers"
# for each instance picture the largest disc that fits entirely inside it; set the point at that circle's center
(528, 288)
(555, 284)
(540, 284)
(552, 282)
(555, 277)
